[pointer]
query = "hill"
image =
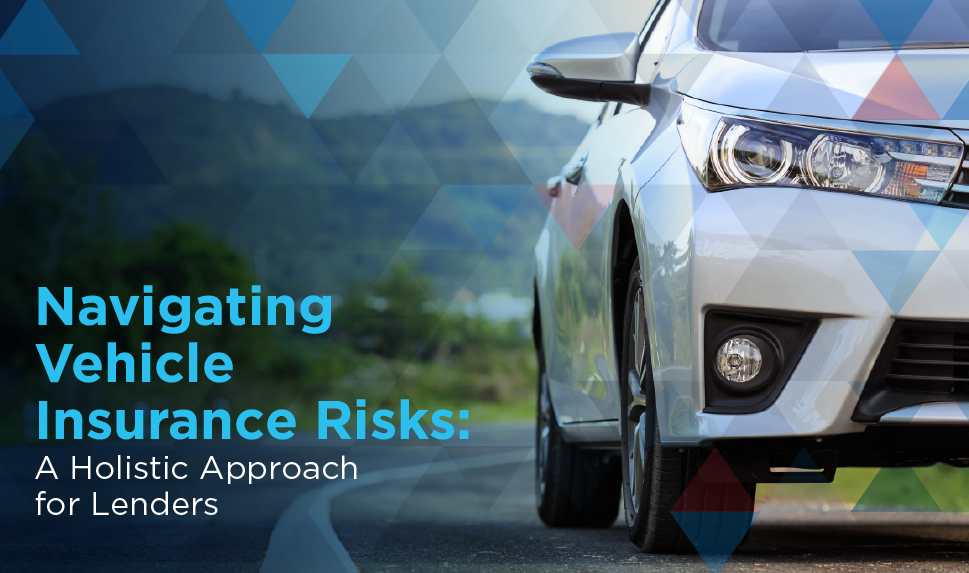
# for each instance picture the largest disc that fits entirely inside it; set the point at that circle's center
(312, 204)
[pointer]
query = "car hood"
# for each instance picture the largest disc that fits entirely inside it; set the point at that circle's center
(917, 87)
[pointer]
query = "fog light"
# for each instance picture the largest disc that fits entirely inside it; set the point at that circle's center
(739, 360)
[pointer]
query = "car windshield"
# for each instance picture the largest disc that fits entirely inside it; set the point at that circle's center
(814, 25)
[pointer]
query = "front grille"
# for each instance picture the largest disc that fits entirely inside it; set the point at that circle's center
(958, 195)
(931, 361)
(920, 362)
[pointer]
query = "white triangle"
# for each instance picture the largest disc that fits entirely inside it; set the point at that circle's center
(851, 75)
(850, 291)
(534, 19)
(722, 266)
(804, 273)
(941, 294)
(866, 225)
(771, 208)
(488, 75)
(352, 20)
(487, 30)
(960, 238)
(397, 77)
(578, 19)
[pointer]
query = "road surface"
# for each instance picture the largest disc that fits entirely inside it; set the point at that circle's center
(415, 507)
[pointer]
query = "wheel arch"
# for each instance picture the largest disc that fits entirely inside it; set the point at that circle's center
(624, 253)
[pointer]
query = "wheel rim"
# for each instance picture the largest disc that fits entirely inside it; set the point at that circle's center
(639, 425)
(544, 416)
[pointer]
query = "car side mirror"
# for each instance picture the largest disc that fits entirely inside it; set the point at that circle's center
(594, 68)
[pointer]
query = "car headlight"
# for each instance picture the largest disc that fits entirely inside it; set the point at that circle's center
(729, 151)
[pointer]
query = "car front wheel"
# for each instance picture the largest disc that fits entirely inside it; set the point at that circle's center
(655, 477)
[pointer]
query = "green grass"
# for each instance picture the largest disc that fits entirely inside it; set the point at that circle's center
(935, 488)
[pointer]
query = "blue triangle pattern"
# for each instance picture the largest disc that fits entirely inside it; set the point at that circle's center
(960, 107)
(35, 32)
(11, 132)
(8, 11)
(964, 407)
(805, 462)
(896, 274)
(307, 77)
(441, 227)
(714, 534)
(260, 19)
(442, 20)
(857, 386)
(469, 200)
(11, 106)
(940, 223)
(896, 19)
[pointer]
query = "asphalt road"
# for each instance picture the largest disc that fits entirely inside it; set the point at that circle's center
(416, 507)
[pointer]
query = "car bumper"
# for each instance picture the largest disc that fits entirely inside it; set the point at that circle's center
(855, 262)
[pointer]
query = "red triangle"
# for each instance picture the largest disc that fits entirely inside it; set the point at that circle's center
(896, 96)
(715, 488)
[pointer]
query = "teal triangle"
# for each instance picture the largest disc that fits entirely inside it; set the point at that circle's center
(442, 20)
(11, 132)
(486, 208)
(35, 32)
(896, 19)
(307, 77)
(896, 274)
(260, 19)
(714, 534)
(940, 223)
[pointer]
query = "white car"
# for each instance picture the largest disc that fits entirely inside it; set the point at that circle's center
(760, 247)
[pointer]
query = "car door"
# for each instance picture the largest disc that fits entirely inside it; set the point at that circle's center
(585, 211)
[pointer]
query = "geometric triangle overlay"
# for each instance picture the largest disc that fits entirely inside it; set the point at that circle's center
(502, 198)
(442, 20)
(11, 132)
(806, 93)
(940, 223)
(35, 31)
(214, 31)
(715, 511)
(896, 96)
(941, 77)
(488, 490)
(307, 76)
(260, 19)
(715, 535)
(896, 19)
(896, 489)
(896, 274)
(941, 485)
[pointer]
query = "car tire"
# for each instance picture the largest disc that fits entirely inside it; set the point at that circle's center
(654, 476)
(574, 487)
